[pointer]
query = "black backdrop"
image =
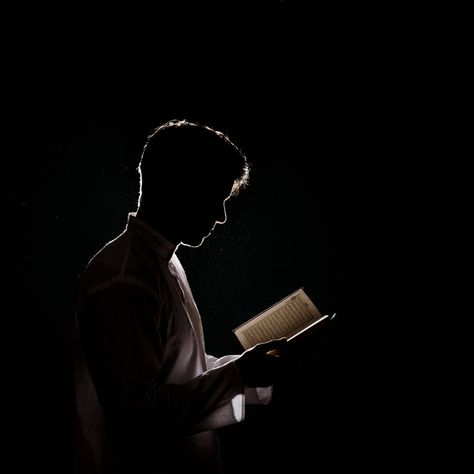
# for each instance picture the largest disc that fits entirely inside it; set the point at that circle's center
(300, 88)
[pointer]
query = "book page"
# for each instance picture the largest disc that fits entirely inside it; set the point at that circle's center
(284, 319)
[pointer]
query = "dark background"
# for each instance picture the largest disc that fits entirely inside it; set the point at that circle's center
(308, 92)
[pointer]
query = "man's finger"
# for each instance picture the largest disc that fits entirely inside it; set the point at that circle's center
(274, 353)
(273, 344)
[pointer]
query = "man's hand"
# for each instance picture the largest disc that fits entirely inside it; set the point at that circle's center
(260, 365)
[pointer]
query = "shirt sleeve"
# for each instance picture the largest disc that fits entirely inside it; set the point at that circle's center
(252, 395)
(124, 329)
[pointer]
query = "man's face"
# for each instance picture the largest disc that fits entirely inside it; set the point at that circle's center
(203, 212)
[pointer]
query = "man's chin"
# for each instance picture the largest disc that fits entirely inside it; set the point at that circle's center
(197, 243)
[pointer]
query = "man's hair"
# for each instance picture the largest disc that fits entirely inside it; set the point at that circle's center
(180, 156)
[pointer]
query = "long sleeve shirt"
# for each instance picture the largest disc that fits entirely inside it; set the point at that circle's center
(148, 397)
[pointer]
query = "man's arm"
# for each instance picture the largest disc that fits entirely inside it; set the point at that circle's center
(253, 395)
(124, 332)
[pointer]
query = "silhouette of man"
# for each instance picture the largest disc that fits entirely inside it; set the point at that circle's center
(148, 397)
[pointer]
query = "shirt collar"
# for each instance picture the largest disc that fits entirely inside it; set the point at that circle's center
(159, 243)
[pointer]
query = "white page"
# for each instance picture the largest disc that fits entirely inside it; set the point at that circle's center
(283, 319)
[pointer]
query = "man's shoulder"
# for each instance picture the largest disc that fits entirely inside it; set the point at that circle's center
(110, 256)
(123, 259)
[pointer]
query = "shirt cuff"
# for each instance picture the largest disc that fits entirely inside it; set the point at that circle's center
(258, 395)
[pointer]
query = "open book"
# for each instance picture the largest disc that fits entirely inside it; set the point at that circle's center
(294, 317)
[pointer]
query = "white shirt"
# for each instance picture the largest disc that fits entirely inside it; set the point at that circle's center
(148, 396)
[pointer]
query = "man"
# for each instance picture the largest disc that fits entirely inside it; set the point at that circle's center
(148, 397)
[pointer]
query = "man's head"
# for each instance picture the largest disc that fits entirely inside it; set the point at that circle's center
(187, 172)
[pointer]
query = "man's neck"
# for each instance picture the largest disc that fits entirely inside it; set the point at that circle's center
(167, 227)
